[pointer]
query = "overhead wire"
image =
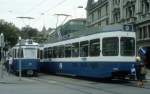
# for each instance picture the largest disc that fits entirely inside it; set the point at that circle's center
(46, 11)
(54, 7)
(51, 8)
(35, 7)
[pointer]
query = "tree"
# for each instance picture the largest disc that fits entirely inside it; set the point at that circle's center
(28, 32)
(10, 32)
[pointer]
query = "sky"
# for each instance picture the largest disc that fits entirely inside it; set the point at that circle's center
(43, 11)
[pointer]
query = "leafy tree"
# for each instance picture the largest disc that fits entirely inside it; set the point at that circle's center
(10, 32)
(28, 32)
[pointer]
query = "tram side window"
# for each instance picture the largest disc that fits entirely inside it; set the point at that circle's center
(50, 52)
(55, 52)
(84, 48)
(20, 53)
(68, 50)
(61, 51)
(40, 54)
(110, 46)
(95, 47)
(75, 49)
(127, 46)
(45, 53)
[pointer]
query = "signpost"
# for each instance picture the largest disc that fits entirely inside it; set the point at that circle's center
(2, 44)
(20, 65)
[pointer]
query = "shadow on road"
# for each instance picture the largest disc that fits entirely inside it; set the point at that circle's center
(93, 81)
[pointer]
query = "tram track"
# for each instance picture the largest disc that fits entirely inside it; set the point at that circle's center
(82, 88)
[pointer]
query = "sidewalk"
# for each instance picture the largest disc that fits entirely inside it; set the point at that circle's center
(12, 79)
(7, 78)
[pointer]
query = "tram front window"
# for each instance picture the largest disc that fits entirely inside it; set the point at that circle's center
(30, 53)
(110, 46)
(127, 46)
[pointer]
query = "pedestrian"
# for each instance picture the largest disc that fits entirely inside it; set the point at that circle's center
(10, 63)
(141, 72)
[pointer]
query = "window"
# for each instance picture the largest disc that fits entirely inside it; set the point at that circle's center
(95, 47)
(31, 53)
(144, 32)
(84, 48)
(61, 51)
(147, 7)
(127, 46)
(45, 53)
(75, 49)
(140, 33)
(130, 11)
(99, 13)
(20, 53)
(55, 52)
(149, 30)
(95, 15)
(110, 46)
(50, 52)
(68, 50)
(116, 16)
(40, 54)
(107, 11)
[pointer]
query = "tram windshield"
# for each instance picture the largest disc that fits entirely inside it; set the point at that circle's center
(127, 46)
(30, 53)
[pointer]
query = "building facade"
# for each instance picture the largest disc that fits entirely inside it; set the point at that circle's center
(108, 12)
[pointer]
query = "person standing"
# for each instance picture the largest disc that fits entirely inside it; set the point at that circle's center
(140, 72)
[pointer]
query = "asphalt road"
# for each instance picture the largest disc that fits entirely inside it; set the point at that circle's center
(52, 84)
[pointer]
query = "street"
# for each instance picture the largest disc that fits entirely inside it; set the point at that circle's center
(53, 84)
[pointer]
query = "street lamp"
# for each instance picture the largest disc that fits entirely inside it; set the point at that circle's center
(20, 65)
(43, 18)
(81, 9)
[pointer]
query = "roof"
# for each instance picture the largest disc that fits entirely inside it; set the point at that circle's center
(88, 31)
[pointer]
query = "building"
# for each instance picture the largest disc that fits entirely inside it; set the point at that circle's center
(97, 13)
(136, 12)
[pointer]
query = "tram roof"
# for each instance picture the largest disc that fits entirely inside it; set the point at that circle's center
(89, 31)
(27, 42)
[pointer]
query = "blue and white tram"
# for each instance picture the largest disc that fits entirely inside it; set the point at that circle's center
(27, 53)
(100, 55)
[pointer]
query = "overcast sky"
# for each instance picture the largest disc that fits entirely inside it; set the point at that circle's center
(10, 9)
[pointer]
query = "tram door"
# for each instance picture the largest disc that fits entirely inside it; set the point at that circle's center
(147, 59)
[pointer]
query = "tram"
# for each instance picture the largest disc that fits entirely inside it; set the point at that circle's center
(26, 54)
(105, 54)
